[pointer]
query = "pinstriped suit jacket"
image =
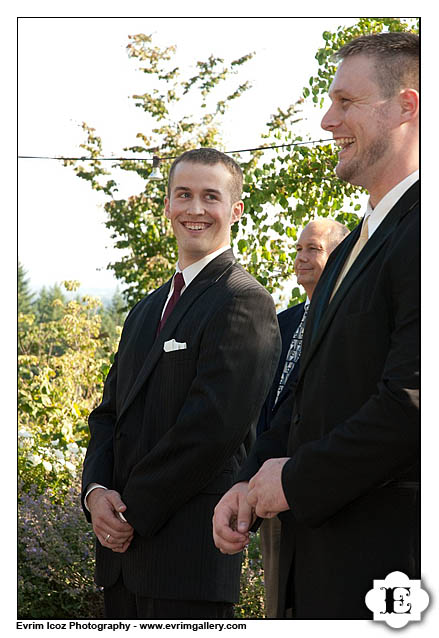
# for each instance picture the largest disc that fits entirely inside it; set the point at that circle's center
(174, 427)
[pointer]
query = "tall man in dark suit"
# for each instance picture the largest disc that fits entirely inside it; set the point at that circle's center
(341, 461)
(316, 242)
(195, 360)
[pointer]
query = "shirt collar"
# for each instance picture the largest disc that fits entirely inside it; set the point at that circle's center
(190, 272)
(376, 215)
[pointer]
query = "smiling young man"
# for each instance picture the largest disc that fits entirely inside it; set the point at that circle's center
(372, 119)
(174, 425)
(340, 464)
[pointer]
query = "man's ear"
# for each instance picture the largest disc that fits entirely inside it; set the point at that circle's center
(167, 207)
(409, 102)
(237, 210)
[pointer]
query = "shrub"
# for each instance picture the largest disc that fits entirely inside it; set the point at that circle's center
(252, 597)
(44, 461)
(55, 557)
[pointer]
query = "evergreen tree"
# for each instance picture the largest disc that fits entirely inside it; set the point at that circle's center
(46, 306)
(112, 317)
(25, 296)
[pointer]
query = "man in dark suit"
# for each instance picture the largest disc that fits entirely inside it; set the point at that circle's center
(341, 461)
(316, 242)
(195, 360)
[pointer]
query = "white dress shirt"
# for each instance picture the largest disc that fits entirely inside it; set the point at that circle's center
(377, 215)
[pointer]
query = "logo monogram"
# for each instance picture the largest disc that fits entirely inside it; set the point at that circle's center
(391, 600)
(397, 600)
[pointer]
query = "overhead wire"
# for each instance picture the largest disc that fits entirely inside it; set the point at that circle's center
(165, 157)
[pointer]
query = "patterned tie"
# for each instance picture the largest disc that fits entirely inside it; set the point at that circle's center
(293, 354)
(358, 247)
(178, 285)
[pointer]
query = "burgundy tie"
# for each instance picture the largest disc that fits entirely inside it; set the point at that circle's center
(178, 285)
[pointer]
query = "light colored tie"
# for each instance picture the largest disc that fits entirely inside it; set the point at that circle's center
(358, 247)
(293, 354)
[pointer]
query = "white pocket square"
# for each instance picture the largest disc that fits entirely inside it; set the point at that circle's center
(170, 346)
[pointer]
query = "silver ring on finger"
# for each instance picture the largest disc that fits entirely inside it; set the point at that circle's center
(107, 538)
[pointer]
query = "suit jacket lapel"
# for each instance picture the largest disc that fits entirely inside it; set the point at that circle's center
(207, 277)
(323, 312)
(147, 325)
(327, 282)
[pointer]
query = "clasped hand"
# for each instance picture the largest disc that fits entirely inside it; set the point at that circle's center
(110, 530)
(237, 510)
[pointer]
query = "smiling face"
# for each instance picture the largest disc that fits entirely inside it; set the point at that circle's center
(362, 123)
(200, 209)
(313, 249)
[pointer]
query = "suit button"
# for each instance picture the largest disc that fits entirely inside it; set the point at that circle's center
(296, 419)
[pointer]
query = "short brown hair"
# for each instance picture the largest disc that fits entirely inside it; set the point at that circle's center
(396, 58)
(210, 157)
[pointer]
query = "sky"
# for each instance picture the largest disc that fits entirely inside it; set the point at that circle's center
(73, 69)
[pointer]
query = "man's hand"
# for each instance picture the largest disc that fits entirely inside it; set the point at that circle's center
(111, 532)
(232, 520)
(265, 491)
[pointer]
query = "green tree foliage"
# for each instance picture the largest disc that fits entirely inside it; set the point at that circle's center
(296, 184)
(62, 364)
(183, 111)
(319, 84)
(284, 187)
